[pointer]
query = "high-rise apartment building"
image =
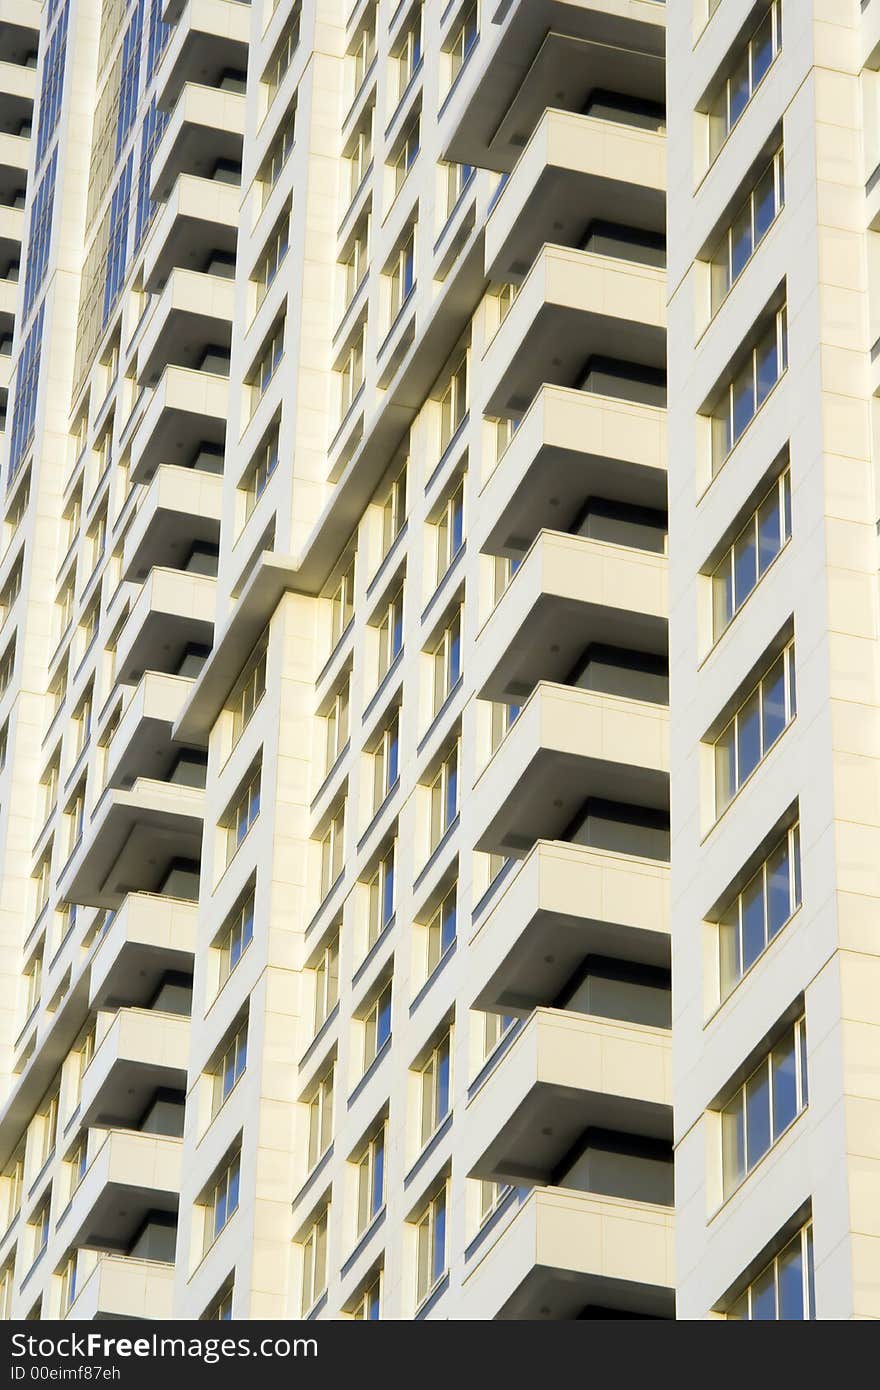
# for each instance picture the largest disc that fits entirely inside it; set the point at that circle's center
(336, 902)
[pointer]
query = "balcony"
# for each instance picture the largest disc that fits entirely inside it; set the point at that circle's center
(149, 935)
(120, 1286)
(18, 87)
(188, 409)
(206, 128)
(11, 231)
(571, 306)
(567, 745)
(566, 902)
(566, 1252)
(200, 215)
(141, 745)
(569, 445)
(130, 1175)
(563, 1074)
(132, 840)
(193, 313)
(19, 29)
(210, 37)
(141, 1051)
(568, 592)
(173, 609)
(551, 53)
(182, 506)
(575, 169)
(14, 156)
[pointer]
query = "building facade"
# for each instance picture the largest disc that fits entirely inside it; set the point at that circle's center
(335, 668)
(773, 653)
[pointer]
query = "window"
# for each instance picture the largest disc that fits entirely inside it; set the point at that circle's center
(495, 1026)
(321, 1118)
(282, 56)
(267, 266)
(266, 364)
(404, 157)
(492, 1194)
(371, 1181)
(393, 512)
(400, 276)
(748, 72)
(785, 1290)
(262, 466)
(33, 980)
(42, 881)
(229, 1068)
(86, 1052)
(7, 1288)
(386, 762)
(220, 1310)
(441, 931)
(342, 604)
(82, 723)
(249, 691)
(369, 1304)
(407, 58)
(222, 1201)
(504, 568)
(431, 1247)
(67, 1281)
(350, 371)
(361, 53)
(444, 798)
(314, 1267)
(40, 1229)
(332, 850)
(750, 921)
(278, 153)
(752, 553)
(7, 664)
(435, 1080)
(462, 45)
(446, 662)
(237, 935)
(749, 388)
(356, 261)
(77, 1163)
(380, 897)
(763, 1108)
(377, 1027)
(389, 632)
(13, 1185)
(336, 723)
(48, 1129)
(242, 815)
(75, 815)
(453, 404)
(326, 982)
(761, 718)
(359, 154)
(502, 720)
(449, 531)
(454, 180)
(748, 229)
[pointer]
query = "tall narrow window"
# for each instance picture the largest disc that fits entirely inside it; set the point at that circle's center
(746, 75)
(750, 225)
(371, 1180)
(314, 1265)
(747, 739)
(380, 897)
(321, 1118)
(750, 920)
(377, 1027)
(749, 388)
(752, 553)
(389, 627)
(431, 1247)
(446, 662)
(444, 798)
(435, 1083)
(326, 982)
(764, 1106)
